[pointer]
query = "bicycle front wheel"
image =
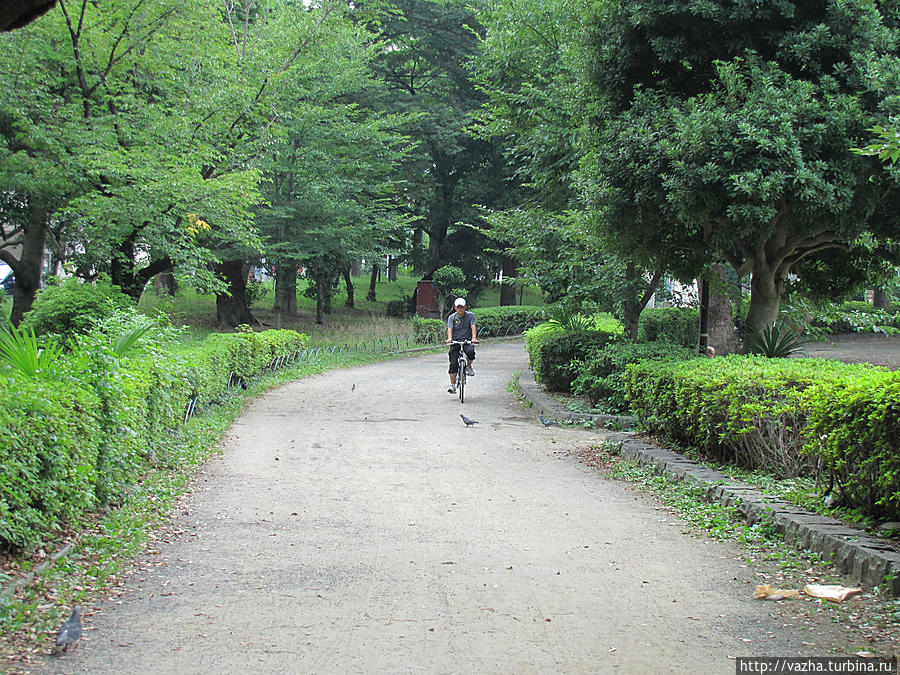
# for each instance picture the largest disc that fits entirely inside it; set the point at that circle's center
(461, 384)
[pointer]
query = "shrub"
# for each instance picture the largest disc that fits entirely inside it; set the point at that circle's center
(675, 325)
(429, 331)
(559, 353)
(86, 438)
(73, 307)
(536, 337)
(853, 430)
(856, 317)
(774, 342)
(396, 307)
(748, 410)
(602, 376)
(507, 320)
(49, 442)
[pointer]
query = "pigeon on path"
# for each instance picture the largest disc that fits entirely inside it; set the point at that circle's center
(546, 421)
(70, 633)
(468, 422)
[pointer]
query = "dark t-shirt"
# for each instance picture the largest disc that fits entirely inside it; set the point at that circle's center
(461, 326)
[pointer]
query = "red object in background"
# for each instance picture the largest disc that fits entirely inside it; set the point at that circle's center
(426, 300)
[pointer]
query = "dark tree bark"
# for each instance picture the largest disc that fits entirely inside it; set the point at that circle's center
(439, 212)
(393, 269)
(372, 281)
(508, 291)
(232, 309)
(19, 13)
(634, 300)
(722, 336)
(418, 251)
(286, 286)
(27, 266)
(165, 283)
(349, 283)
(881, 300)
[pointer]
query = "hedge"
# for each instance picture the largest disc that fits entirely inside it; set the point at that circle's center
(602, 375)
(85, 438)
(787, 416)
(555, 355)
(677, 325)
(853, 429)
(491, 322)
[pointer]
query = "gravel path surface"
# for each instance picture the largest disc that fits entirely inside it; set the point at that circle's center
(366, 530)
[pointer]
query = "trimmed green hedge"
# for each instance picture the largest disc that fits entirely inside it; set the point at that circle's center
(787, 416)
(676, 325)
(602, 376)
(853, 429)
(85, 438)
(491, 321)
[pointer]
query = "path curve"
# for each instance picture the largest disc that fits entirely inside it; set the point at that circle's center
(367, 530)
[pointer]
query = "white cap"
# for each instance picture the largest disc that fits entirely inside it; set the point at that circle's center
(459, 301)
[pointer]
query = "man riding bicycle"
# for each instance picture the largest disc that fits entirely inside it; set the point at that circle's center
(461, 327)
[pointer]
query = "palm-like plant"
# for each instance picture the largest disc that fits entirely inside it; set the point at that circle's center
(21, 349)
(775, 342)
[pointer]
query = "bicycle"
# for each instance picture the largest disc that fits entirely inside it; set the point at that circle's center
(462, 363)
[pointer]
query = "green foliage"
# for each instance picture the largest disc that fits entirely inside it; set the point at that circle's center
(449, 283)
(20, 349)
(111, 413)
(601, 377)
(856, 317)
(396, 307)
(746, 410)
(507, 320)
(675, 325)
(774, 342)
(49, 443)
(429, 331)
(73, 307)
(853, 430)
(555, 354)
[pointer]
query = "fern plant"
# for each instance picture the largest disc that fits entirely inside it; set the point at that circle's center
(775, 342)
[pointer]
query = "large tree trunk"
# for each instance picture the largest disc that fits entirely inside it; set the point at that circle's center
(418, 251)
(231, 308)
(370, 296)
(393, 269)
(881, 300)
(349, 283)
(165, 283)
(439, 216)
(507, 290)
(286, 286)
(721, 314)
(27, 267)
(635, 301)
(766, 291)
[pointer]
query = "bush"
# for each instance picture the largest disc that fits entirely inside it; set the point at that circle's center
(507, 320)
(87, 437)
(675, 325)
(853, 430)
(746, 410)
(855, 317)
(73, 307)
(397, 307)
(536, 337)
(557, 354)
(429, 331)
(602, 376)
(49, 443)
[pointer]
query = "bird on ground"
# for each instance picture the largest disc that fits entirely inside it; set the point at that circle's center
(70, 632)
(546, 421)
(468, 422)
(353, 388)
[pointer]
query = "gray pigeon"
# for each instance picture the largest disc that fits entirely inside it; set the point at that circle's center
(70, 633)
(546, 421)
(468, 421)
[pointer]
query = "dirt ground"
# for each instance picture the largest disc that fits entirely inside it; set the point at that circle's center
(880, 350)
(353, 524)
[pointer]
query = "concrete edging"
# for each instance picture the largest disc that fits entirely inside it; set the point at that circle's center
(863, 557)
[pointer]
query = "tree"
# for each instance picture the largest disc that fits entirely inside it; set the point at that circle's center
(728, 128)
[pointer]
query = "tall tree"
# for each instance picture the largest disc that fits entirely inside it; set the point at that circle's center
(728, 128)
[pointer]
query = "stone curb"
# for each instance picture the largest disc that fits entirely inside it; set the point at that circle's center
(866, 559)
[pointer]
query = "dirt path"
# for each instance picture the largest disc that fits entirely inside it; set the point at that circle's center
(369, 531)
